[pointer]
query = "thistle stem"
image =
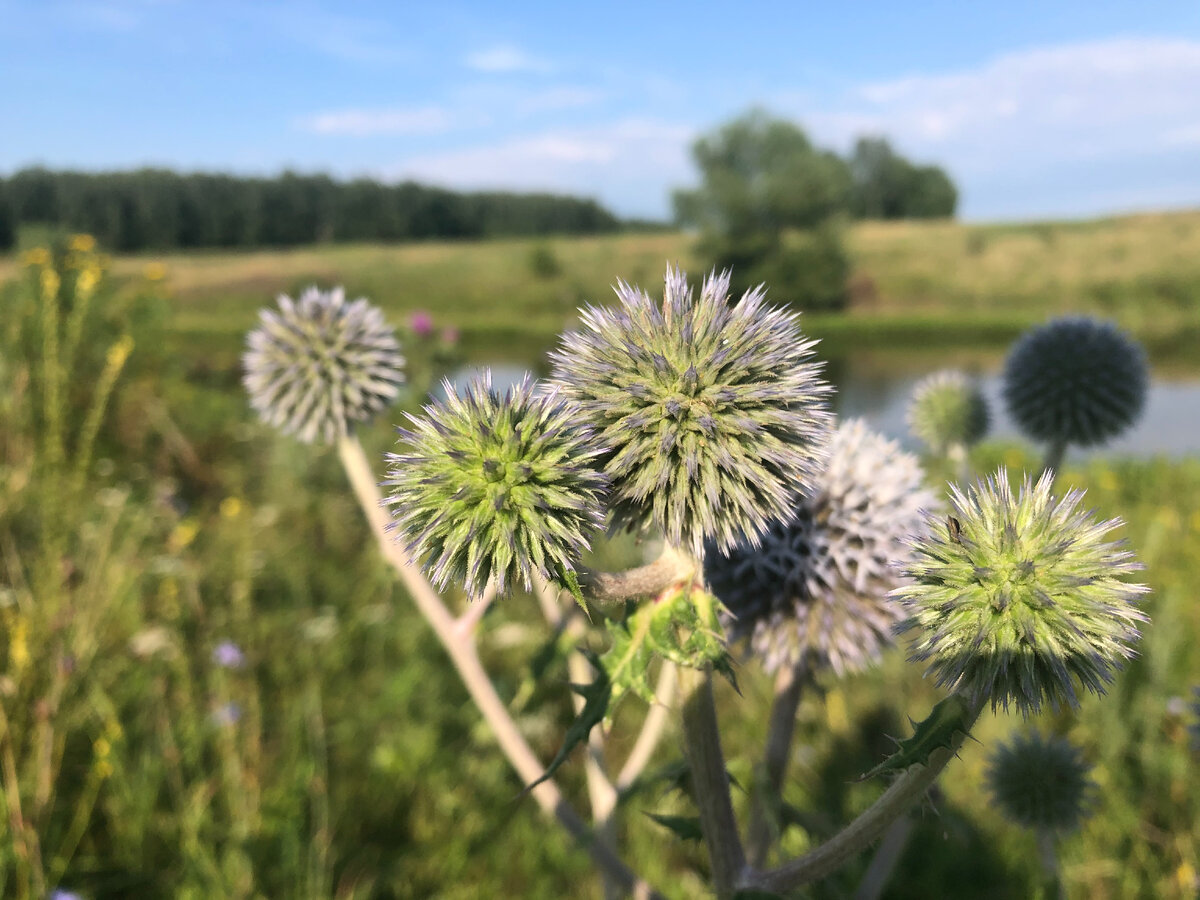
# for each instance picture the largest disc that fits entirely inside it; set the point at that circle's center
(883, 863)
(1054, 457)
(653, 578)
(904, 792)
(462, 652)
(781, 729)
(710, 781)
(1048, 854)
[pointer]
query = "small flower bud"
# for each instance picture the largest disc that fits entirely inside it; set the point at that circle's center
(1041, 782)
(948, 410)
(496, 487)
(1018, 598)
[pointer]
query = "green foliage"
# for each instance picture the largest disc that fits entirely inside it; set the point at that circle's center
(887, 186)
(160, 209)
(544, 262)
(762, 178)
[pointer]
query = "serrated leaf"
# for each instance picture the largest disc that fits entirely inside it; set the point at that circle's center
(685, 827)
(951, 717)
(567, 579)
(596, 701)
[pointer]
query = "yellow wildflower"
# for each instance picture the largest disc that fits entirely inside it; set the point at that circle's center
(86, 282)
(18, 646)
(154, 271)
(82, 243)
(231, 508)
(182, 535)
(119, 351)
(38, 256)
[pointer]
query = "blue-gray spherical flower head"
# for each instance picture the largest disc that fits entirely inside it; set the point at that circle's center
(1017, 598)
(320, 364)
(493, 487)
(1041, 782)
(714, 413)
(1075, 380)
(948, 410)
(815, 592)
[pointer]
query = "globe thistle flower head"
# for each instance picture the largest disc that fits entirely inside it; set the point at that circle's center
(1017, 597)
(495, 486)
(1075, 380)
(1041, 782)
(948, 410)
(319, 364)
(814, 593)
(714, 413)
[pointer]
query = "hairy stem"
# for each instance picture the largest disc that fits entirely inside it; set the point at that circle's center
(653, 578)
(710, 781)
(461, 648)
(764, 826)
(904, 793)
(890, 849)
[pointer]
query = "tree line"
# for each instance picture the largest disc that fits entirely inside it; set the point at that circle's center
(157, 209)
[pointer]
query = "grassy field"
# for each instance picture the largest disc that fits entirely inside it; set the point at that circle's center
(340, 756)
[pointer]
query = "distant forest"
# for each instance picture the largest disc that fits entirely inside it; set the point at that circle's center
(156, 209)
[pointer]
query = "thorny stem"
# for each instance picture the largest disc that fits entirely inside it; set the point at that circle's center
(710, 781)
(904, 792)
(789, 685)
(461, 649)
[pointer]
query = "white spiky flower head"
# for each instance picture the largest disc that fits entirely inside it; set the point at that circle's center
(948, 410)
(714, 412)
(815, 592)
(319, 364)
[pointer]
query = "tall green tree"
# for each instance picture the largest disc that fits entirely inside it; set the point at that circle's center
(768, 201)
(888, 186)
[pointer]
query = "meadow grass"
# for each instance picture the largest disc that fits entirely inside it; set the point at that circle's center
(343, 758)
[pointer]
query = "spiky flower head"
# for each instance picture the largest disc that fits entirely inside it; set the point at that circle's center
(319, 364)
(1017, 598)
(714, 413)
(948, 410)
(1041, 782)
(1075, 380)
(496, 486)
(815, 592)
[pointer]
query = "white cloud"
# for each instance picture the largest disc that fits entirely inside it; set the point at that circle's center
(1077, 101)
(367, 122)
(505, 58)
(630, 163)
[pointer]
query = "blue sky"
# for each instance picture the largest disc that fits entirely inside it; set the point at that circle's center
(1036, 109)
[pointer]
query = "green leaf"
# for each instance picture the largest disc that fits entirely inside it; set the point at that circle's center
(948, 719)
(685, 827)
(567, 579)
(596, 701)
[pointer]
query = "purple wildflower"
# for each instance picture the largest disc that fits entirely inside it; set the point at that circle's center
(228, 655)
(421, 324)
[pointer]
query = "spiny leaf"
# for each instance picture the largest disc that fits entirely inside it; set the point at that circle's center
(948, 719)
(567, 579)
(685, 827)
(596, 699)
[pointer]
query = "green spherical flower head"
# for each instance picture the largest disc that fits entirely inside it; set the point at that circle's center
(1075, 380)
(1018, 598)
(815, 592)
(496, 487)
(948, 410)
(319, 364)
(1041, 782)
(715, 414)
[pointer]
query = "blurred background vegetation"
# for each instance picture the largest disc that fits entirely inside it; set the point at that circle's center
(211, 685)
